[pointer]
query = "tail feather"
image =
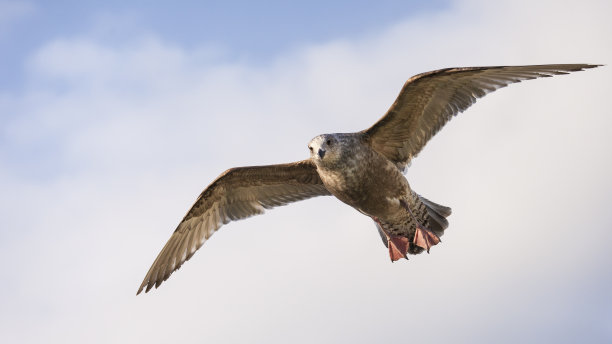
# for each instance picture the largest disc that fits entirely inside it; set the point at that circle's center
(437, 215)
(435, 221)
(438, 208)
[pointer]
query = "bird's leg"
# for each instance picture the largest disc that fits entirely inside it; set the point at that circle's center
(423, 237)
(398, 245)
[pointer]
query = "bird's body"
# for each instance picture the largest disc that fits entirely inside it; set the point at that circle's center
(362, 169)
(366, 180)
(354, 177)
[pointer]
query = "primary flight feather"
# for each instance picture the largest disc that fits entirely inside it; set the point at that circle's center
(362, 169)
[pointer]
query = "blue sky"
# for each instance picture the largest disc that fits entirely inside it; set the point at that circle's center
(255, 31)
(114, 117)
(249, 32)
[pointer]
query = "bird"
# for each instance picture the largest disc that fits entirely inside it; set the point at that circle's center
(363, 169)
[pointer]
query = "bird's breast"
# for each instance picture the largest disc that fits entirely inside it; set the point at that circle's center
(371, 184)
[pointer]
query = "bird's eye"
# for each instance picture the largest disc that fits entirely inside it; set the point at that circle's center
(309, 147)
(329, 142)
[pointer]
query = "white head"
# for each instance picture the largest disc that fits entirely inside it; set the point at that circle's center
(325, 149)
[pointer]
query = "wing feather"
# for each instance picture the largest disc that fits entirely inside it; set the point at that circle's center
(236, 194)
(429, 100)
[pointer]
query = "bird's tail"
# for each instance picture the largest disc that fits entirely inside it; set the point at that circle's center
(435, 222)
(437, 216)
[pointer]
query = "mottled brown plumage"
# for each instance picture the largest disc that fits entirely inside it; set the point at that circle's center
(363, 169)
(236, 194)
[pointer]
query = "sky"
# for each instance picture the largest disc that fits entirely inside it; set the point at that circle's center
(114, 116)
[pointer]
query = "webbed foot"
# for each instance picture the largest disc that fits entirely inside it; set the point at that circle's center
(425, 238)
(398, 245)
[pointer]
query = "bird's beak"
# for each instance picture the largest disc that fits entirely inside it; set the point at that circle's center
(321, 153)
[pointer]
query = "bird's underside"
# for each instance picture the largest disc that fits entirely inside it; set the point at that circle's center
(363, 169)
(426, 224)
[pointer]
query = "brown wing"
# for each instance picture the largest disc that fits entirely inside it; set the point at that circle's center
(429, 100)
(236, 194)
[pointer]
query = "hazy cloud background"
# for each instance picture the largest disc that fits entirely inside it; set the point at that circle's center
(112, 120)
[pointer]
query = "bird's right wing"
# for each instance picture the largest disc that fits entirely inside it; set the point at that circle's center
(236, 194)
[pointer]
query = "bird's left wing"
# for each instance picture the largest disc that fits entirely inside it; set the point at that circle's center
(236, 194)
(429, 100)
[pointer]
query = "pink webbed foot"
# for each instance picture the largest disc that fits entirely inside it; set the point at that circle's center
(425, 238)
(398, 245)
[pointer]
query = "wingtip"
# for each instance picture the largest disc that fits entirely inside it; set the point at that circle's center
(587, 66)
(577, 67)
(140, 290)
(146, 290)
(146, 286)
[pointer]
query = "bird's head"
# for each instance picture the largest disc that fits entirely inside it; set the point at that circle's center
(325, 149)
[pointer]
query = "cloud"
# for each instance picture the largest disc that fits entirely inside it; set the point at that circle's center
(108, 146)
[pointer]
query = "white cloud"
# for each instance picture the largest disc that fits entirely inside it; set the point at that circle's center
(136, 132)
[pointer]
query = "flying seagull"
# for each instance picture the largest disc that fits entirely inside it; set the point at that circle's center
(362, 169)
